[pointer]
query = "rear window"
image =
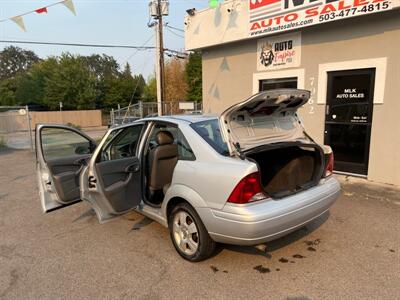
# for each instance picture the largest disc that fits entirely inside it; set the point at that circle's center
(209, 130)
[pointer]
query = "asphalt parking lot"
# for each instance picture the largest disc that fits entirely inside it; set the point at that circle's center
(354, 253)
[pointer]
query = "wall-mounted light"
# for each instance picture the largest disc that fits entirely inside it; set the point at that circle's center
(236, 6)
(191, 12)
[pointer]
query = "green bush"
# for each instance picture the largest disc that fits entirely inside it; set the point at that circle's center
(3, 143)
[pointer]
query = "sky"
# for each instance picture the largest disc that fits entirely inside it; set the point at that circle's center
(120, 22)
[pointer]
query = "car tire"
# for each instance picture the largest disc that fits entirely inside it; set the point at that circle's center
(193, 243)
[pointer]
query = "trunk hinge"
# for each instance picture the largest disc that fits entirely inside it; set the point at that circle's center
(238, 151)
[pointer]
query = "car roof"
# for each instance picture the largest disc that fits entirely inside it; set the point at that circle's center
(190, 118)
(176, 119)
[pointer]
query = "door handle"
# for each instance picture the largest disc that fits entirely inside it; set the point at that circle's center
(132, 168)
(92, 182)
(80, 162)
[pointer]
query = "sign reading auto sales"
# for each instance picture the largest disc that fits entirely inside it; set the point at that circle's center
(273, 16)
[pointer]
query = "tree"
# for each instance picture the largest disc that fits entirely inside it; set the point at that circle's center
(150, 90)
(105, 70)
(79, 82)
(102, 65)
(7, 92)
(140, 83)
(175, 84)
(31, 86)
(193, 77)
(14, 61)
(72, 83)
(124, 89)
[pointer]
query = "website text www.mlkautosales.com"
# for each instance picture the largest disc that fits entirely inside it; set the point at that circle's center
(282, 27)
(291, 17)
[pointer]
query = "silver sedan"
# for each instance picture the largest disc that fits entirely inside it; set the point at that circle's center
(246, 177)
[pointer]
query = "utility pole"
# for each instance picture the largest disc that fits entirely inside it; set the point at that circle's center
(158, 9)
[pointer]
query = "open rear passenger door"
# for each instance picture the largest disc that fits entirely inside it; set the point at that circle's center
(112, 181)
(62, 153)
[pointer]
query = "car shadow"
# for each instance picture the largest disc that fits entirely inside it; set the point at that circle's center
(267, 248)
(88, 215)
(142, 223)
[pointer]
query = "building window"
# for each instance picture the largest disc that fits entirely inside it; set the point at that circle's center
(278, 83)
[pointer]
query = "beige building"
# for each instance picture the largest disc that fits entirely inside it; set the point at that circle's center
(347, 53)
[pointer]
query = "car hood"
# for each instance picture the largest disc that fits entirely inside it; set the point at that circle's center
(266, 117)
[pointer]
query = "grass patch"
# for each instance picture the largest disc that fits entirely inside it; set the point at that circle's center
(3, 144)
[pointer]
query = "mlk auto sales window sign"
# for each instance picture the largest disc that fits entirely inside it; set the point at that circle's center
(272, 16)
(279, 52)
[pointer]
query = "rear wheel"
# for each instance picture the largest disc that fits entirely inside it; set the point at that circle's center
(188, 233)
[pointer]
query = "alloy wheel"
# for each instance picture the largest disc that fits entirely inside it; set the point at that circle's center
(185, 233)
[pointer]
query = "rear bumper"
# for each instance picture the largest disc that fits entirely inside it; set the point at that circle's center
(267, 220)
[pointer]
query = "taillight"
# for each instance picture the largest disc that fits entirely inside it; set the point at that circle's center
(329, 165)
(247, 190)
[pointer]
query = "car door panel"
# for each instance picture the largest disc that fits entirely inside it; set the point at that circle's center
(109, 179)
(112, 181)
(119, 182)
(61, 153)
(65, 173)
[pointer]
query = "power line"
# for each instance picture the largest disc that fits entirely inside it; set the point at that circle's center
(78, 44)
(139, 48)
(172, 27)
(134, 90)
(174, 33)
(176, 52)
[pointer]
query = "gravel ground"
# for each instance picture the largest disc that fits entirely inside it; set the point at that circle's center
(353, 253)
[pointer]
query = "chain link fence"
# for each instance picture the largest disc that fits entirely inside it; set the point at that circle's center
(149, 109)
(15, 127)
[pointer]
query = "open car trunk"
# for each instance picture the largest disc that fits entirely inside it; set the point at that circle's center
(266, 128)
(288, 168)
(265, 118)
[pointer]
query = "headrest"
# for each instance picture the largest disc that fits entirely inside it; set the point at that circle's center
(164, 138)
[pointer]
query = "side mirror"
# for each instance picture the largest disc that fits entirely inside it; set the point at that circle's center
(80, 150)
(92, 147)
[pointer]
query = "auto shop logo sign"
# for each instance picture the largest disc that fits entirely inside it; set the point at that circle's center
(273, 16)
(279, 52)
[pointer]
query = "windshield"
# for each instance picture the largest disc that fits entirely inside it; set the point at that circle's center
(209, 130)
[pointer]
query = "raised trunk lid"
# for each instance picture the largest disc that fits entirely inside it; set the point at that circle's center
(266, 117)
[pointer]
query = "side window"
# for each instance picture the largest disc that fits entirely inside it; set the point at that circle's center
(209, 130)
(184, 150)
(59, 142)
(123, 144)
